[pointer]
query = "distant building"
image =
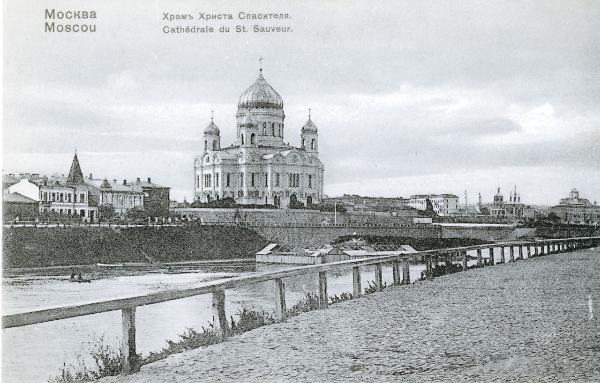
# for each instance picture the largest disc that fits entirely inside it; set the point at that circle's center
(124, 196)
(68, 196)
(359, 203)
(443, 204)
(351, 250)
(77, 196)
(497, 209)
(120, 196)
(259, 167)
(512, 209)
(15, 205)
(156, 197)
(577, 210)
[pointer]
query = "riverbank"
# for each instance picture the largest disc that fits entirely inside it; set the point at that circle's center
(29, 247)
(531, 320)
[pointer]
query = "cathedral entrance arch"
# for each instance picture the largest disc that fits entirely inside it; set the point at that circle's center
(277, 201)
(293, 200)
(308, 201)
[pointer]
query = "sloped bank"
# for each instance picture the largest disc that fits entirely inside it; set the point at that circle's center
(43, 247)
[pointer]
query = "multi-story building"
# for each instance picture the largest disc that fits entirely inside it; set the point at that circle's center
(443, 204)
(68, 196)
(124, 195)
(512, 209)
(577, 210)
(120, 196)
(259, 167)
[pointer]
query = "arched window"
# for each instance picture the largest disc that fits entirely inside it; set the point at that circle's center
(252, 139)
(313, 144)
(264, 130)
(205, 145)
(214, 145)
(273, 128)
(242, 138)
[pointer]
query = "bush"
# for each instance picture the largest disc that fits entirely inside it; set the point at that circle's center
(107, 362)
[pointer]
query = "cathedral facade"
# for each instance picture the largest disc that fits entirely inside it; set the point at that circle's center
(259, 168)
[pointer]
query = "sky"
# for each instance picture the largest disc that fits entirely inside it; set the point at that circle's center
(410, 97)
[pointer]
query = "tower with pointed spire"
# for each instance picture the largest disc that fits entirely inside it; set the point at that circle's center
(75, 176)
(260, 168)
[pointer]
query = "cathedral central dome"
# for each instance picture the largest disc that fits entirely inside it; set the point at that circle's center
(260, 95)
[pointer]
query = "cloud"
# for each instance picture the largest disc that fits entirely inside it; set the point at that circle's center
(406, 92)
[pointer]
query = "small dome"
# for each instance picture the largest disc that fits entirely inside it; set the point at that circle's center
(211, 129)
(260, 95)
(309, 127)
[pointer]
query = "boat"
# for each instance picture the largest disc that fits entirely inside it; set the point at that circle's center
(109, 264)
(80, 280)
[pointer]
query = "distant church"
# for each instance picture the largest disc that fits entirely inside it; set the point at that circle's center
(259, 168)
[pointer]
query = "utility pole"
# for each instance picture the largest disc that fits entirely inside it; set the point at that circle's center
(334, 213)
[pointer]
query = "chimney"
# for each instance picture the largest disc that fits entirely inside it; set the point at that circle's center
(124, 182)
(90, 175)
(138, 180)
(149, 180)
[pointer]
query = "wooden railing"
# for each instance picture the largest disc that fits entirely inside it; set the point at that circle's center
(217, 288)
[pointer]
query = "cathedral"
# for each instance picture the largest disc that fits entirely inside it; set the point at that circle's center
(259, 168)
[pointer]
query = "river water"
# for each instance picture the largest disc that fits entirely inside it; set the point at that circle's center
(35, 353)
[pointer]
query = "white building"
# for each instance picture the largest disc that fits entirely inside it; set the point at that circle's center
(68, 196)
(443, 204)
(259, 167)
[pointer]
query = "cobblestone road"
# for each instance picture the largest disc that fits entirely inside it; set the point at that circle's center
(523, 321)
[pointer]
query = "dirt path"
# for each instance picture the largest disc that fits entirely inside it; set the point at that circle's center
(523, 321)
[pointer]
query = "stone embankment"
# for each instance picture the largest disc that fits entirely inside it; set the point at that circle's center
(533, 320)
(58, 246)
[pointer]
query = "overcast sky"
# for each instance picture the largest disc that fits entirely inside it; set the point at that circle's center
(409, 96)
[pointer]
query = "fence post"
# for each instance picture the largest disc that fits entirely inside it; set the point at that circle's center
(464, 260)
(378, 277)
(280, 309)
(535, 249)
(396, 272)
(429, 265)
(128, 353)
(528, 251)
(218, 312)
(512, 253)
(479, 258)
(405, 272)
(323, 298)
(356, 288)
(502, 257)
(491, 254)
(449, 262)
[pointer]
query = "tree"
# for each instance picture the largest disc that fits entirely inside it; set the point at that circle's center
(137, 212)
(106, 211)
(553, 217)
(429, 212)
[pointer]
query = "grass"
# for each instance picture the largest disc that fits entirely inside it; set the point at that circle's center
(107, 362)
(107, 358)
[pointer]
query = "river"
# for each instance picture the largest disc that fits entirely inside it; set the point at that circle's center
(37, 352)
